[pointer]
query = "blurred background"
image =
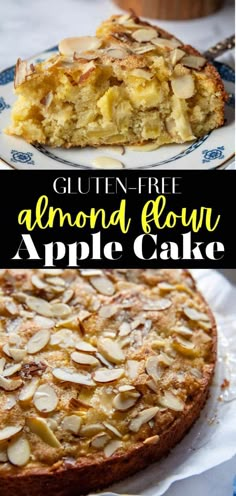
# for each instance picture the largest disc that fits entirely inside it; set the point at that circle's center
(230, 274)
(29, 27)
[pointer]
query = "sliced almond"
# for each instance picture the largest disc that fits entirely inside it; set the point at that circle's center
(27, 392)
(142, 418)
(84, 359)
(112, 447)
(157, 304)
(100, 440)
(11, 370)
(68, 295)
(126, 387)
(117, 53)
(107, 163)
(60, 310)
(183, 86)
(125, 329)
(91, 429)
(125, 400)
(38, 341)
(112, 429)
(9, 384)
(37, 282)
(163, 42)
(152, 440)
(10, 402)
(133, 368)
(9, 432)
(2, 364)
(184, 347)
(141, 73)
(194, 314)
(45, 399)
(170, 400)
(40, 306)
(183, 331)
(44, 322)
(107, 375)
(56, 281)
(193, 61)
(40, 427)
(72, 423)
(176, 55)
(16, 353)
(91, 272)
(74, 377)
(107, 311)
(111, 350)
(84, 346)
(152, 385)
(153, 368)
(18, 452)
(143, 35)
(141, 49)
(165, 359)
(78, 45)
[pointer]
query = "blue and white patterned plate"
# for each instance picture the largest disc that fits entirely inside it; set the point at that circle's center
(210, 152)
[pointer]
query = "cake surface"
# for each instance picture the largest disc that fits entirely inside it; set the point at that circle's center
(102, 372)
(132, 83)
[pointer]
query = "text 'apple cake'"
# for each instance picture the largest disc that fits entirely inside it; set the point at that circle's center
(130, 84)
(102, 372)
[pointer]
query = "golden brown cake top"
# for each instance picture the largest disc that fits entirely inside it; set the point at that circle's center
(95, 362)
(126, 42)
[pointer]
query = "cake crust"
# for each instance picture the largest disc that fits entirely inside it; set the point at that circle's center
(131, 84)
(61, 473)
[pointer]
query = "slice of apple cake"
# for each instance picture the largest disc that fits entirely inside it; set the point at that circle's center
(129, 84)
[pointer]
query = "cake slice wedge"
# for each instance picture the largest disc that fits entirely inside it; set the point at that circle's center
(130, 84)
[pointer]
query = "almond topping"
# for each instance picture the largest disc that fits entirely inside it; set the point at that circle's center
(111, 447)
(107, 375)
(10, 384)
(193, 61)
(183, 86)
(40, 306)
(38, 341)
(40, 427)
(84, 359)
(142, 35)
(152, 440)
(71, 423)
(108, 311)
(112, 429)
(124, 329)
(106, 163)
(45, 399)
(78, 45)
(157, 304)
(84, 346)
(19, 452)
(141, 73)
(162, 42)
(176, 55)
(11, 370)
(74, 377)
(152, 367)
(60, 310)
(170, 400)
(3, 456)
(91, 430)
(117, 53)
(9, 432)
(124, 401)
(193, 314)
(142, 418)
(100, 440)
(111, 350)
(37, 282)
(27, 392)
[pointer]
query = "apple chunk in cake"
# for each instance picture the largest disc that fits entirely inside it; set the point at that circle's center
(129, 84)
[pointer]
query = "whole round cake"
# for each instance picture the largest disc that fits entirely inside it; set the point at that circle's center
(102, 372)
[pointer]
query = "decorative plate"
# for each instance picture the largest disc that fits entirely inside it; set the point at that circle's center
(214, 150)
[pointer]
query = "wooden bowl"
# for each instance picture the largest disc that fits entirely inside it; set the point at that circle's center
(171, 9)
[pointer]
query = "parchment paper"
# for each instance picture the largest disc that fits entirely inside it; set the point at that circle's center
(212, 440)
